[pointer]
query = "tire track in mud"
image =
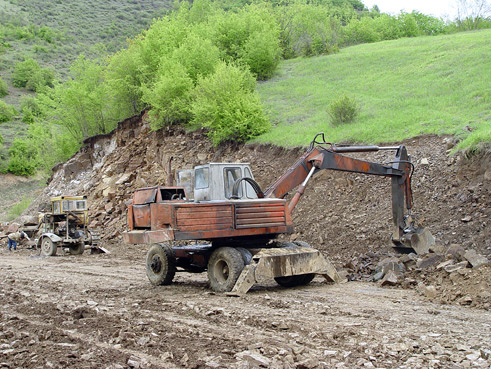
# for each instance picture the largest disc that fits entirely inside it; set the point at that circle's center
(105, 306)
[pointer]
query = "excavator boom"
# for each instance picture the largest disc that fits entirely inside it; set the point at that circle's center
(400, 169)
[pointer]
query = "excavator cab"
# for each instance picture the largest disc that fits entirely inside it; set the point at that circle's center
(215, 181)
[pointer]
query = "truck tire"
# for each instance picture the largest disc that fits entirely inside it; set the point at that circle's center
(77, 249)
(48, 247)
(161, 264)
(295, 280)
(224, 268)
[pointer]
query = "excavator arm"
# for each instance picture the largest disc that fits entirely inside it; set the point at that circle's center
(406, 234)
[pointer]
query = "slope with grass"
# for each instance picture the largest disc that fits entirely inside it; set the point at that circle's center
(405, 88)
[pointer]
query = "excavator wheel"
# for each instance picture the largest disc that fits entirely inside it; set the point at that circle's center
(77, 249)
(224, 268)
(295, 280)
(161, 264)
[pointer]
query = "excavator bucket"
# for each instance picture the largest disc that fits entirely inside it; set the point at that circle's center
(267, 264)
(419, 241)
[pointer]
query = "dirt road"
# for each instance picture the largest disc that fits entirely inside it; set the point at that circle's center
(100, 311)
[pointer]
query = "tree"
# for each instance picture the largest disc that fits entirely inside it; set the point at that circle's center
(470, 13)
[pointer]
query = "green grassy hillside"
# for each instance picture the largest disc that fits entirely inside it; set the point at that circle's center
(55, 32)
(93, 27)
(404, 87)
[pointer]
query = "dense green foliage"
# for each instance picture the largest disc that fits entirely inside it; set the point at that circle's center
(226, 104)
(30, 75)
(193, 66)
(7, 111)
(22, 158)
(408, 87)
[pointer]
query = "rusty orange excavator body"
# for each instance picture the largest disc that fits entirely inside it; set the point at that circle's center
(235, 224)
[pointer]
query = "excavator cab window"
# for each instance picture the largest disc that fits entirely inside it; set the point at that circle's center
(231, 175)
(201, 176)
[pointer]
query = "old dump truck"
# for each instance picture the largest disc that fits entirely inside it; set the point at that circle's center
(217, 219)
(65, 226)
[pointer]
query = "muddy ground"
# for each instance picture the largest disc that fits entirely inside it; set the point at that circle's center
(99, 311)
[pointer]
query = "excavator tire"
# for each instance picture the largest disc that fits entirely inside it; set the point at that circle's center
(77, 249)
(224, 268)
(160, 264)
(295, 280)
(48, 247)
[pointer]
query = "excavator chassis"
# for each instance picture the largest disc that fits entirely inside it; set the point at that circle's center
(290, 264)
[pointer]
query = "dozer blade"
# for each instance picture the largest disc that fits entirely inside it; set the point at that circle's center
(267, 264)
(418, 241)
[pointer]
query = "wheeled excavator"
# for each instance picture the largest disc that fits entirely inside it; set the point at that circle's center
(217, 219)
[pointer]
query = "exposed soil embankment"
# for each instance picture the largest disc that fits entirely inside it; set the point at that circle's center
(344, 214)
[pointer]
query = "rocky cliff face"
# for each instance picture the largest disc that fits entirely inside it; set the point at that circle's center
(344, 214)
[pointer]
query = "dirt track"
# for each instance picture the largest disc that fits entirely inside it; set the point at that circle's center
(100, 311)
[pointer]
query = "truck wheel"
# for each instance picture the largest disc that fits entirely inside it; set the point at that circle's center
(295, 280)
(161, 264)
(48, 248)
(77, 249)
(224, 268)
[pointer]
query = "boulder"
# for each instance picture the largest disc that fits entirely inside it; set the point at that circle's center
(455, 267)
(13, 227)
(429, 260)
(390, 279)
(475, 259)
(456, 251)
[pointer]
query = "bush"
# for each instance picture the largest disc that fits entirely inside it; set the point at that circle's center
(170, 96)
(22, 158)
(29, 108)
(226, 104)
(41, 78)
(262, 54)
(30, 75)
(4, 89)
(23, 71)
(343, 110)
(7, 111)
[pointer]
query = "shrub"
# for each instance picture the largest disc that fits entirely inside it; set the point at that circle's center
(170, 96)
(343, 110)
(23, 71)
(7, 111)
(4, 89)
(226, 104)
(29, 108)
(22, 158)
(30, 75)
(199, 56)
(308, 29)
(262, 54)
(41, 78)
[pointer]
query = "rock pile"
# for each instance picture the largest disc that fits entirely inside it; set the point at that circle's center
(445, 275)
